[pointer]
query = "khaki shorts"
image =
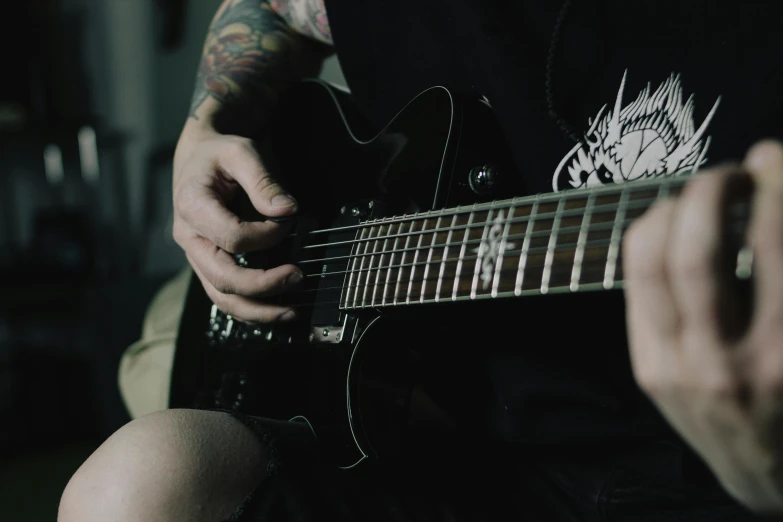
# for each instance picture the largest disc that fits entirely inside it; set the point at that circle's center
(145, 367)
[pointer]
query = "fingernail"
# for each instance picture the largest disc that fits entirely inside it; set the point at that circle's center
(283, 200)
(294, 278)
(287, 316)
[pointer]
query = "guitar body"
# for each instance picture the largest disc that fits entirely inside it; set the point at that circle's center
(367, 381)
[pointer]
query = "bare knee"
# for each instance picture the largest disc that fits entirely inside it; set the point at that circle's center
(175, 465)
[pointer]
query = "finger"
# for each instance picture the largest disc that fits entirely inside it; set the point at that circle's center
(205, 212)
(221, 270)
(765, 231)
(242, 162)
(653, 324)
(242, 308)
(695, 259)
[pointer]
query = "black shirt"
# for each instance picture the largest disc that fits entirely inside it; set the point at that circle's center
(695, 81)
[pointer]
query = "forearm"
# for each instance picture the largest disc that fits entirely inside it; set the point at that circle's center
(251, 55)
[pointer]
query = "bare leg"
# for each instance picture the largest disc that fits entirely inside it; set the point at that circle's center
(174, 465)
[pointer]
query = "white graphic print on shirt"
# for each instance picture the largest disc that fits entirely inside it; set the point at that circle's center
(653, 136)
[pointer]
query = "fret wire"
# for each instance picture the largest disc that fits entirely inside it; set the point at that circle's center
(614, 246)
(580, 244)
(353, 267)
(502, 251)
(391, 262)
(369, 268)
(525, 248)
(402, 260)
(443, 259)
(550, 253)
(415, 257)
(380, 264)
(462, 255)
(637, 186)
(429, 259)
(361, 267)
(481, 252)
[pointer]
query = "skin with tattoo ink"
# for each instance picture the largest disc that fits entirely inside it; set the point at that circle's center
(708, 353)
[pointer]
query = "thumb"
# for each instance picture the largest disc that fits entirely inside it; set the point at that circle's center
(245, 166)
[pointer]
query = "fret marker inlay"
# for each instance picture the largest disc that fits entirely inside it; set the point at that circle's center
(494, 246)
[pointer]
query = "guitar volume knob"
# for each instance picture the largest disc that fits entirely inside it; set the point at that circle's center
(483, 180)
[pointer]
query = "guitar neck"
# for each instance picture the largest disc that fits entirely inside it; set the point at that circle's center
(565, 242)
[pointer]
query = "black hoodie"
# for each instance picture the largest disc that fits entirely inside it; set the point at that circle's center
(661, 84)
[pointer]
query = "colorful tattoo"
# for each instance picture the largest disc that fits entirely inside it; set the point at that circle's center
(306, 16)
(249, 56)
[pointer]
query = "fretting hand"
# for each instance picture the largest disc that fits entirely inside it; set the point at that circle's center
(723, 391)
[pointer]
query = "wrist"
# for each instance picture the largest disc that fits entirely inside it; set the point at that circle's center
(193, 132)
(239, 117)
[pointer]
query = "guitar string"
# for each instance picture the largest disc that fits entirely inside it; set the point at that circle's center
(589, 243)
(587, 265)
(569, 247)
(607, 190)
(594, 227)
(601, 209)
(508, 254)
(591, 227)
(438, 263)
(595, 243)
(404, 298)
(591, 265)
(494, 206)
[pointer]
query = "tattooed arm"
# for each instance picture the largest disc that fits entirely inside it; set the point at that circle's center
(253, 51)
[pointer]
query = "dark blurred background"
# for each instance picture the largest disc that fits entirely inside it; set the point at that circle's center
(92, 99)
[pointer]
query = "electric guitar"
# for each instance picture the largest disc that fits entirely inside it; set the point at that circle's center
(413, 222)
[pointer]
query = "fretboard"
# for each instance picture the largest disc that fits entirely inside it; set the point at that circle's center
(566, 242)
